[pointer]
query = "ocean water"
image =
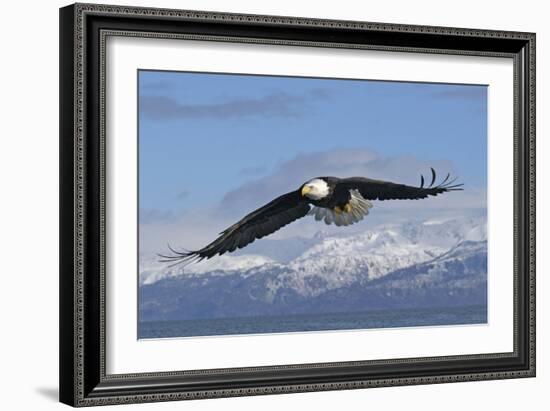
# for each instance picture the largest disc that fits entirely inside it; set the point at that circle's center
(319, 322)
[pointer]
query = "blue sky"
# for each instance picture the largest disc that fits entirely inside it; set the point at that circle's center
(201, 135)
(213, 147)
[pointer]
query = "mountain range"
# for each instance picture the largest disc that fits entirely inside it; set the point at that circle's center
(426, 263)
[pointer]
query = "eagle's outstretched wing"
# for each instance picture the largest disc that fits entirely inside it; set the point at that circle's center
(259, 223)
(385, 190)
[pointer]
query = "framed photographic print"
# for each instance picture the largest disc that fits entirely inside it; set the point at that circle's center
(262, 204)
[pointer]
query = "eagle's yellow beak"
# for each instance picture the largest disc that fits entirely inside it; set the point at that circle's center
(305, 190)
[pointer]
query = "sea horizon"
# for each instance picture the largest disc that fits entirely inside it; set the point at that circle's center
(269, 324)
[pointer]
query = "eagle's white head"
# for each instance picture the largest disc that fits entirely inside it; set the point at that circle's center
(315, 189)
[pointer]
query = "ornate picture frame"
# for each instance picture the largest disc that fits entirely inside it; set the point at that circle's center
(84, 82)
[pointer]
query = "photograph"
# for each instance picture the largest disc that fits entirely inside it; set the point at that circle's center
(284, 204)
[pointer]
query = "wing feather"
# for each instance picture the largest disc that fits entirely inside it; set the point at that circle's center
(264, 221)
(371, 189)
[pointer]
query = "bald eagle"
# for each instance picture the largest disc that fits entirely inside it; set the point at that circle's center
(339, 201)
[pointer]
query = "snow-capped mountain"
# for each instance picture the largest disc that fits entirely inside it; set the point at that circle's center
(151, 270)
(372, 253)
(411, 264)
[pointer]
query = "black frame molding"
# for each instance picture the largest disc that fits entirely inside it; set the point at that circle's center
(83, 31)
